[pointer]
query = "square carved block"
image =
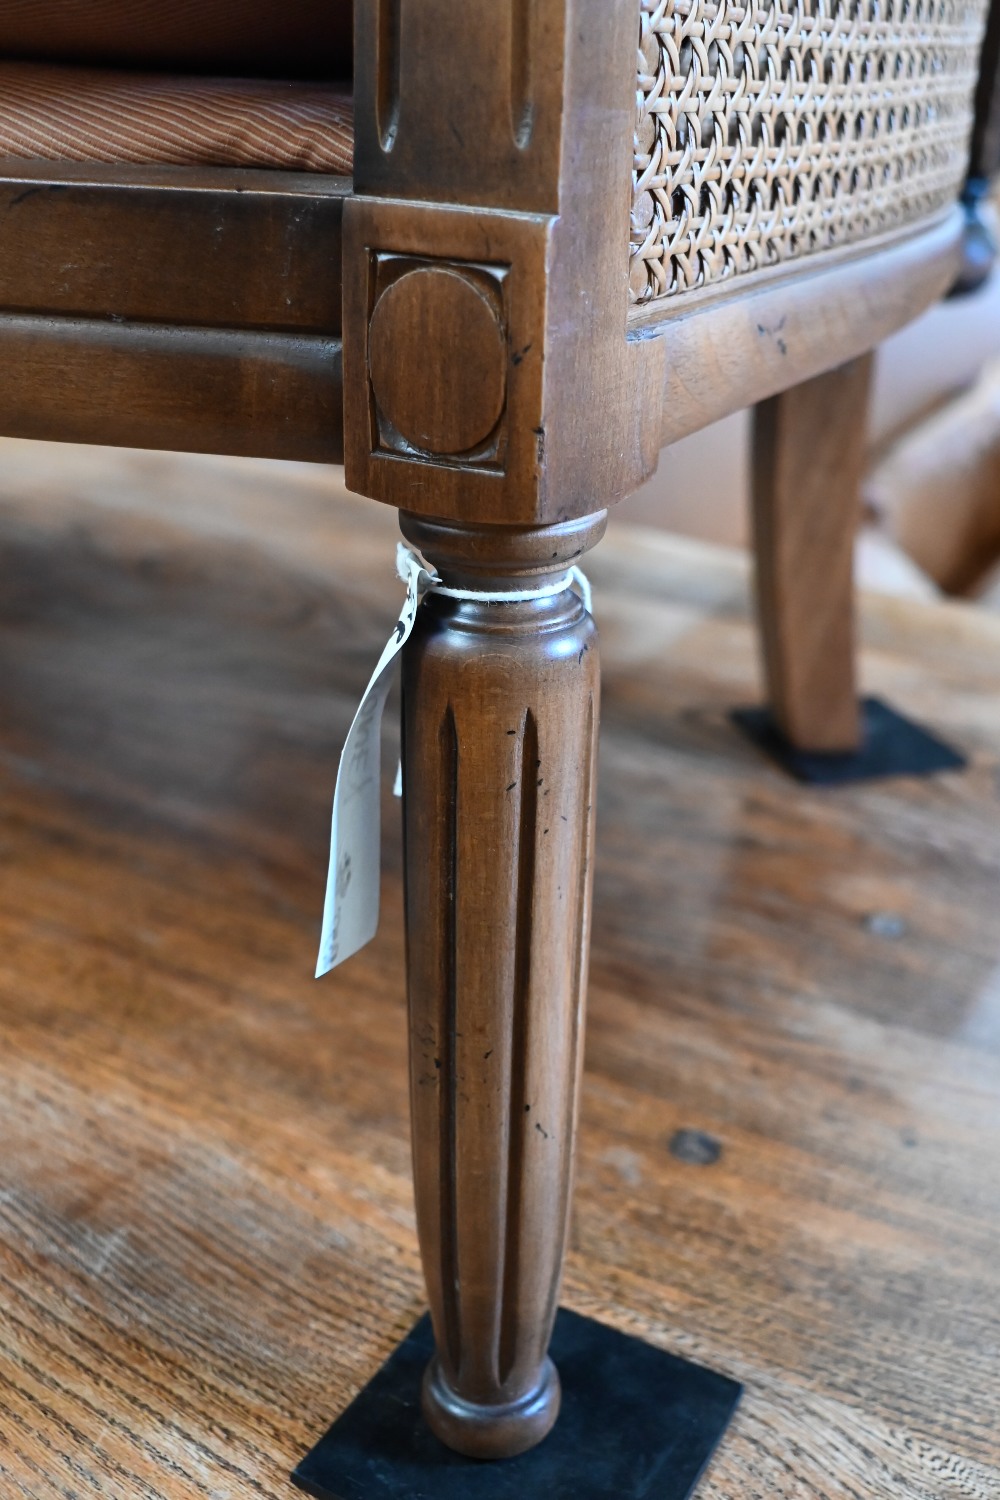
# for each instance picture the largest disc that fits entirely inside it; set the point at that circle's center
(444, 352)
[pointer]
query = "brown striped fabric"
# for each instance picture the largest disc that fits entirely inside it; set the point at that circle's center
(87, 114)
(275, 38)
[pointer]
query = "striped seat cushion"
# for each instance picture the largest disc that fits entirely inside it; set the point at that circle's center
(274, 38)
(87, 114)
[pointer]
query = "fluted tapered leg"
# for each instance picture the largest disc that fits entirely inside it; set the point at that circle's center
(500, 726)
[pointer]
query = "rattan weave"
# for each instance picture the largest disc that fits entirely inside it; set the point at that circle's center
(771, 131)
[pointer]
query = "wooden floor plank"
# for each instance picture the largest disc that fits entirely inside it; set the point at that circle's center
(790, 1143)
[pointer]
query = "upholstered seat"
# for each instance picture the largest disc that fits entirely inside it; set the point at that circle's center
(58, 113)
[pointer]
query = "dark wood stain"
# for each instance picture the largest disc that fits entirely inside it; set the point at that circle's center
(447, 1043)
(387, 92)
(520, 1042)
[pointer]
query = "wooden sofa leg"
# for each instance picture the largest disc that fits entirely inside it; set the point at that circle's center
(500, 708)
(808, 455)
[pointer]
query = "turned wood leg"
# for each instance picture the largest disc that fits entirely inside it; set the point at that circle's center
(808, 456)
(500, 706)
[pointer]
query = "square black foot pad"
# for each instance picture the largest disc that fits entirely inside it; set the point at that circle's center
(634, 1422)
(890, 746)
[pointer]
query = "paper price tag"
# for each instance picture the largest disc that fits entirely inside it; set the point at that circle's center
(350, 912)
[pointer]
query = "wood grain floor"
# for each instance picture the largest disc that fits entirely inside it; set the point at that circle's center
(790, 1149)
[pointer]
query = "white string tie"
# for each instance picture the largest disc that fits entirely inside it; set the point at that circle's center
(430, 582)
(574, 578)
(351, 904)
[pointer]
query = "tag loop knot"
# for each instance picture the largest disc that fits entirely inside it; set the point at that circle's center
(574, 578)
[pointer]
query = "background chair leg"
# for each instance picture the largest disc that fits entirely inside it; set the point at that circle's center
(808, 457)
(499, 741)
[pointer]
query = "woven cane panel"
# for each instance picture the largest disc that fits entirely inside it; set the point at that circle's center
(767, 132)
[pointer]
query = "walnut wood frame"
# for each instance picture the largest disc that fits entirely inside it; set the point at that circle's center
(456, 322)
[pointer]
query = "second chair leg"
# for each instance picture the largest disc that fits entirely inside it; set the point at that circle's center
(500, 707)
(808, 456)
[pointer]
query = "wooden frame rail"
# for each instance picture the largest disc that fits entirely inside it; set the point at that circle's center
(172, 308)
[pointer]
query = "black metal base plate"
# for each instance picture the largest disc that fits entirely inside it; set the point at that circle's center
(634, 1422)
(890, 746)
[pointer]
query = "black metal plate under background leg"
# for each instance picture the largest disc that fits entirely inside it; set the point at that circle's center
(634, 1421)
(890, 746)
